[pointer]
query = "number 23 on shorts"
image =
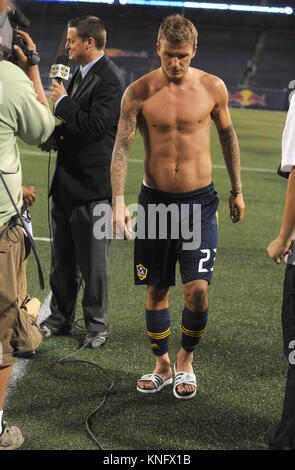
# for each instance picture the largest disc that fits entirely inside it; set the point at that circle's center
(208, 253)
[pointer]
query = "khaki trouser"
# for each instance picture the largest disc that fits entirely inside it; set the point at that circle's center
(13, 290)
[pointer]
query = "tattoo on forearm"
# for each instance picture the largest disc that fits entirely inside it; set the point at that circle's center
(130, 108)
(231, 153)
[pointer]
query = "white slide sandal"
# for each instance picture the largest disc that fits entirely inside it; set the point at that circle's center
(187, 379)
(157, 380)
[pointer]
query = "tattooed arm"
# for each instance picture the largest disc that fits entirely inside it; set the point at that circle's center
(230, 149)
(130, 109)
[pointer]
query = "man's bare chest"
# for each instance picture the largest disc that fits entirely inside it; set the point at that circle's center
(181, 110)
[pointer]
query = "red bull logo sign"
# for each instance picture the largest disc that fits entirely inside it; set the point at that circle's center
(246, 98)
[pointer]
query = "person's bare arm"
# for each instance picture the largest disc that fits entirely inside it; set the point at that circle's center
(32, 71)
(230, 149)
(279, 247)
(130, 109)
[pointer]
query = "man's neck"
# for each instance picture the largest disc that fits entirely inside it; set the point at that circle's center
(91, 58)
(176, 80)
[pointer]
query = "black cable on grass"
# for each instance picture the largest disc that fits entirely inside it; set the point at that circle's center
(48, 207)
(67, 359)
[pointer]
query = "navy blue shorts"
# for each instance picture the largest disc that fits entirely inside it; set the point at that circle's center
(175, 227)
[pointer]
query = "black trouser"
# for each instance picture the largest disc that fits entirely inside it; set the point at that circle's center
(78, 255)
(283, 435)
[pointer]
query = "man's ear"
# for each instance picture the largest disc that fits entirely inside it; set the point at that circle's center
(194, 53)
(158, 48)
(90, 43)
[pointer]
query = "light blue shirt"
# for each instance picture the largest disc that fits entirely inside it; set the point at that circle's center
(84, 70)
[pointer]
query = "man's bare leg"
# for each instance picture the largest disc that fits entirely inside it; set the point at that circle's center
(196, 300)
(4, 380)
(157, 299)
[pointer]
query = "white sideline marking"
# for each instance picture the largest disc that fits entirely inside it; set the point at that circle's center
(244, 168)
(134, 160)
(258, 170)
(19, 368)
(32, 152)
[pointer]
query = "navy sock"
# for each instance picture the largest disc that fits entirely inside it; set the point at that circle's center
(158, 330)
(193, 328)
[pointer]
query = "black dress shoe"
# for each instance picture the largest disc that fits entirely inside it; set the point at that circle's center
(49, 330)
(26, 355)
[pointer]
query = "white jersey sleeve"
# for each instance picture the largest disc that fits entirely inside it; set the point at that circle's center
(288, 139)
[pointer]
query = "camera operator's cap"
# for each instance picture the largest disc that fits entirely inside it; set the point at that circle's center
(60, 71)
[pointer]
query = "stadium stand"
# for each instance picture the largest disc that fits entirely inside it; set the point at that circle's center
(224, 52)
(226, 44)
(276, 68)
(47, 42)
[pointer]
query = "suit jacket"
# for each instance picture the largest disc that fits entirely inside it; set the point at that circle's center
(86, 137)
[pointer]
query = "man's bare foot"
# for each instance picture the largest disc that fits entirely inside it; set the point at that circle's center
(184, 364)
(162, 368)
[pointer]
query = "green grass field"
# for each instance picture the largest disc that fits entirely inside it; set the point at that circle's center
(239, 363)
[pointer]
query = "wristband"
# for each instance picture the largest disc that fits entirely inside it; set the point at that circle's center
(33, 57)
(235, 193)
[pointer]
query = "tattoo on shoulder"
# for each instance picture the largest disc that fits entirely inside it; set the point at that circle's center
(131, 104)
(215, 112)
(130, 109)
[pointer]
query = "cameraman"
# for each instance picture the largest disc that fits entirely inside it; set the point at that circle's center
(24, 112)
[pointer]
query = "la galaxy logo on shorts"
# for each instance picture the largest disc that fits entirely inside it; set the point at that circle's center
(141, 271)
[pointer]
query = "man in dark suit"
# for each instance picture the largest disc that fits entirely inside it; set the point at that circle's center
(89, 111)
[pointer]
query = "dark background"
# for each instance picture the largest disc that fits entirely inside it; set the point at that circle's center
(227, 42)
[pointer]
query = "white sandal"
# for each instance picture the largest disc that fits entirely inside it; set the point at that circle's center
(156, 379)
(187, 379)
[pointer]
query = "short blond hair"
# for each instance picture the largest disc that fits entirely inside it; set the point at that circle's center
(177, 29)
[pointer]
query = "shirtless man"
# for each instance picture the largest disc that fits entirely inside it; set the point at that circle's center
(172, 107)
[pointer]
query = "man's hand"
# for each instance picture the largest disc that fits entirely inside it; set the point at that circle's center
(277, 249)
(29, 196)
(50, 144)
(122, 221)
(237, 207)
(57, 91)
(22, 58)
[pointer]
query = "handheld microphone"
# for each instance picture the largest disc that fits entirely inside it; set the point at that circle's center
(60, 71)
